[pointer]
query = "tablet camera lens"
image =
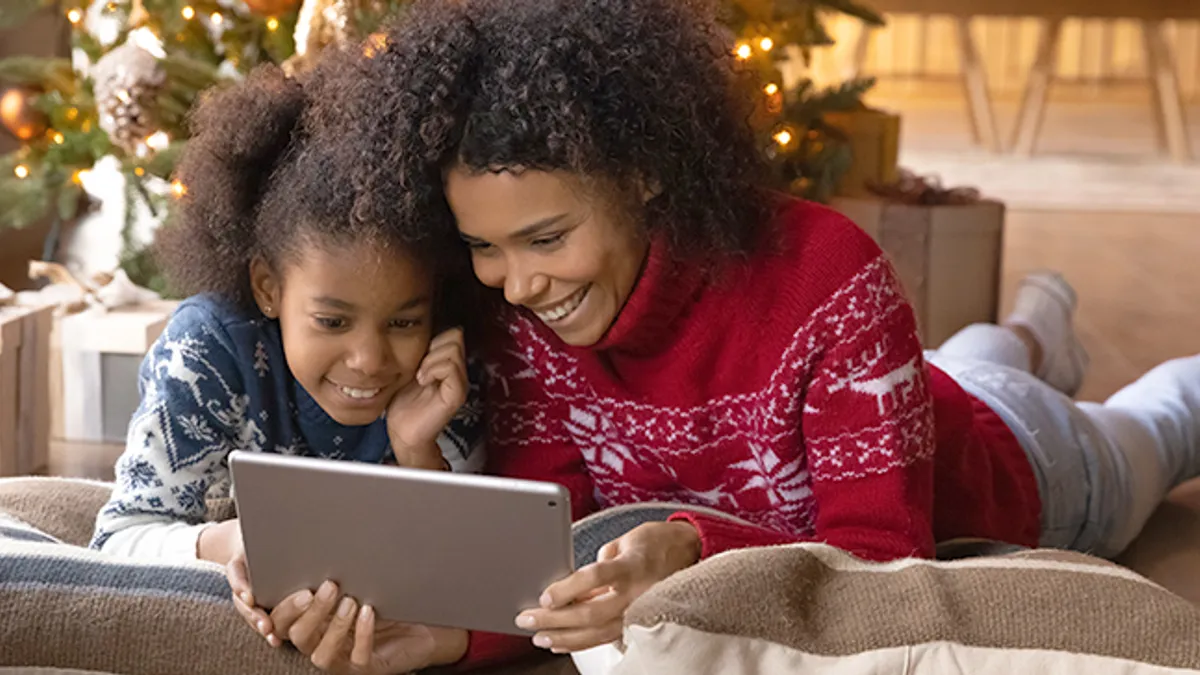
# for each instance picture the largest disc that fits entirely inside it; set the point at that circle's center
(553, 504)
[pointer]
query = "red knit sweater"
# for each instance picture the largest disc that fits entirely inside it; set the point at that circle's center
(789, 391)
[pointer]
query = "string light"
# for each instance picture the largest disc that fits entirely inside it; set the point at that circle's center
(72, 113)
(139, 172)
(178, 188)
(158, 141)
(188, 12)
(74, 15)
(217, 18)
(272, 24)
(374, 44)
(743, 51)
(783, 137)
(771, 89)
(766, 44)
(79, 176)
(21, 171)
(58, 138)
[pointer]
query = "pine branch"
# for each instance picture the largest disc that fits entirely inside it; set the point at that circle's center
(23, 202)
(851, 8)
(49, 73)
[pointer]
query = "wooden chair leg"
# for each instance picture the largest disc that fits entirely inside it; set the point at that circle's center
(975, 86)
(862, 43)
(1165, 90)
(1037, 88)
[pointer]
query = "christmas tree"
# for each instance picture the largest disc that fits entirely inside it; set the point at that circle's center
(117, 108)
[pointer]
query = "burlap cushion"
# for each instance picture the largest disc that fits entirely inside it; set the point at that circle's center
(813, 609)
(67, 607)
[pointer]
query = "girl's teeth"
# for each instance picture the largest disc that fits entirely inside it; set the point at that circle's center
(359, 393)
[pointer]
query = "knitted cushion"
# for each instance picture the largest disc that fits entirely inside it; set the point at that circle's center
(68, 607)
(814, 609)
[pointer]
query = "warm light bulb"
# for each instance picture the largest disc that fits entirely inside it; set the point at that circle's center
(766, 44)
(783, 137)
(72, 113)
(272, 24)
(743, 51)
(178, 188)
(58, 138)
(188, 12)
(217, 18)
(74, 16)
(771, 89)
(21, 171)
(158, 141)
(139, 172)
(79, 176)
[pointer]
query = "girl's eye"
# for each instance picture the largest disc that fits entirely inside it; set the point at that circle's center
(478, 246)
(404, 324)
(548, 240)
(330, 323)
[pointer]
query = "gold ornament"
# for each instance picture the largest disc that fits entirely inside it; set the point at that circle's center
(18, 115)
(271, 7)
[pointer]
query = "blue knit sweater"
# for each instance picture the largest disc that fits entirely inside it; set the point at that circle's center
(216, 381)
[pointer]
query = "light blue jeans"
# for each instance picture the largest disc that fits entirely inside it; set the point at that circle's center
(1101, 469)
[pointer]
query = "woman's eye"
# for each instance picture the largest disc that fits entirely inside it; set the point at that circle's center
(330, 323)
(548, 240)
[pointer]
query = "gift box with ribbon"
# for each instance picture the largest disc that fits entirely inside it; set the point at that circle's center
(102, 331)
(24, 387)
(946, 245)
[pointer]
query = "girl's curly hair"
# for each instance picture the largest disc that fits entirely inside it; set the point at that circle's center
(642, 93)
(259, 183)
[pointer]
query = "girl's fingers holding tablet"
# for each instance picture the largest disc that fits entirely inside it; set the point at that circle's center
(332, 650)
(364, 638)
(305, 629)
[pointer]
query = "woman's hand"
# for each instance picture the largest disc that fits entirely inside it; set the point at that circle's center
(339, 636)
(419, 411)
(588, 608)
(238, 575)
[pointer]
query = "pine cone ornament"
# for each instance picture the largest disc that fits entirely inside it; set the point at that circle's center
(126, 81)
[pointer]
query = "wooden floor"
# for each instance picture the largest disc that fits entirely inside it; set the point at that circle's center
(1137, 274)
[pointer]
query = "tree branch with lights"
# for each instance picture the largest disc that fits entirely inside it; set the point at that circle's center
(109, 122)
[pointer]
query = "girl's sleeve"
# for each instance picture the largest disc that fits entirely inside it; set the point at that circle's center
(191, 416)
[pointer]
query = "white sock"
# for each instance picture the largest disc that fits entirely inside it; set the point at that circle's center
(1045, 305)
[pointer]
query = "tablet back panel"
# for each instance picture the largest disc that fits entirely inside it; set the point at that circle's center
(424, 546)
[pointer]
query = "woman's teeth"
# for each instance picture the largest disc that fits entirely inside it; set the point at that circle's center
(568, 306)
(360, 393)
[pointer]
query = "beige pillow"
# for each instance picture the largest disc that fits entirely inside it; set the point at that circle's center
(814, 609)
(65, 607)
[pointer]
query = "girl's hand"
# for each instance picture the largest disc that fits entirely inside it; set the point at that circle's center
(588, 608)
(339, 636)
(238, 576)
(419, 411)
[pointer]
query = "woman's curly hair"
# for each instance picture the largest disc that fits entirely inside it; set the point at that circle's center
(642, 93)
(259, 183)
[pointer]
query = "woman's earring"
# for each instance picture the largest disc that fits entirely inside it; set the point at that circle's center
(267, 312)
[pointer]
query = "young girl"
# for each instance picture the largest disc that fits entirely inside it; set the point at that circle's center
(676, 334)
(312, 332)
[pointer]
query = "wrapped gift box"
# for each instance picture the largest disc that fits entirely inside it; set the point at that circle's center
(874, 137)
(99, 353)
(948, 257)
(24, 389)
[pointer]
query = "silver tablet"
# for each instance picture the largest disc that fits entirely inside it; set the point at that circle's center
(430, 547)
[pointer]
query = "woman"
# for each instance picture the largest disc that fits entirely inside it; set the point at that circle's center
(677, 334)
